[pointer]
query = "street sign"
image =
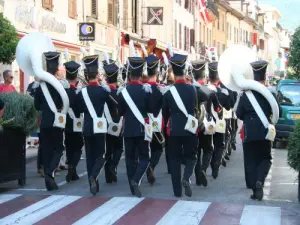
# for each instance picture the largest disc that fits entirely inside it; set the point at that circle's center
(155, 15)
(87, 31)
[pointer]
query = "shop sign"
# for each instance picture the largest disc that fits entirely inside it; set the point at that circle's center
(87, 31)
(29, 16)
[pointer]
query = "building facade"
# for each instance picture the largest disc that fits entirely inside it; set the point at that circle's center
(58, 19)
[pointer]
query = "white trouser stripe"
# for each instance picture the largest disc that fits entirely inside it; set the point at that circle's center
(8, 197)
(110, 211)
(39, 210)
(185, 213)
(261, 215)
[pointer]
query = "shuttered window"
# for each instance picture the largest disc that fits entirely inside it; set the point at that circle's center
(73, 9)
(188, 40)
(94, 8)
(180, 37)
(192, 37)
(175, 24)
(47, 4)
(125, 14)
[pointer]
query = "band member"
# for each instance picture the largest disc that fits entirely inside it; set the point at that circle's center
(219, 137)
(73, 131)
(179, 136)
(156, 119)
(114, 141)
(134, 104)
(227, 114)
(205, 147)
(257, 149)
(91, 101)
(51, 137)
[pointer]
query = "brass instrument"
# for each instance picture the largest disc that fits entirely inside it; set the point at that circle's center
(162, 139)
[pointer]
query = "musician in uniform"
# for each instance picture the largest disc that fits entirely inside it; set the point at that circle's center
(73, 130)
(205, 147)
(114, 143)
(257, 149)
(156, 144)
(218, 138)
(51, 138)
(135, 102)
(91, 102)
(179, 137)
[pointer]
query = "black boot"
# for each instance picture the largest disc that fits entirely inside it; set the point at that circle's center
(150, 175)
(259, 192)
(203, 178)
(93, 185)
(187, 187)
(113, 171)
(70, 173)
(75, 175)
(215, 172)
(50, 183)
(136, 189)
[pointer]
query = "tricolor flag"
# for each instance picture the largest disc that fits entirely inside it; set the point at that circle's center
(204, 12)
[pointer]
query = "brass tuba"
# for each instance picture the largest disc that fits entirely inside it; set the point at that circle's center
(236, 74)
(29, 57)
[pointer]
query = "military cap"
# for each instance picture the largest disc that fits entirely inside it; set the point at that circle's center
(52, 61)
(136, 66)
(213, 71)
(91, 64)
(259, 69)
(71, 70)
(198, 69)
(111, 72)
(178, 63)
(152, 64)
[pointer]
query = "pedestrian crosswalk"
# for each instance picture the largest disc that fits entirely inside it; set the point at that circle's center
(78, 210)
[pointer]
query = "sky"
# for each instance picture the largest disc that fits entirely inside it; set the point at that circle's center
(289, 10)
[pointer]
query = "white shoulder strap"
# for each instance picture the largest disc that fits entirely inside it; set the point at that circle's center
(178, 100)
(88, 103)
(48, 97)
(257, 108)
(132, 106)
(107, 114)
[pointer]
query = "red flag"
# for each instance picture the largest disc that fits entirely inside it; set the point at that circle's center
(204, 12)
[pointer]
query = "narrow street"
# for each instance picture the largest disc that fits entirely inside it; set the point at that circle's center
(224, 201)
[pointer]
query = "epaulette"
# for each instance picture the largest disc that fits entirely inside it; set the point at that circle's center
(224, 91)
(147, 88)
(65, 84)
(106, 87)
(212, 87)
(163, 89)
(120, 89)
(78, 90)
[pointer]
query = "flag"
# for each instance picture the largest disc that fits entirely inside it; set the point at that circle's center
(204, 12)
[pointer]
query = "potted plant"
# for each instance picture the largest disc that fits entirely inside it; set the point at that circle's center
(19, 120)
(294, 152)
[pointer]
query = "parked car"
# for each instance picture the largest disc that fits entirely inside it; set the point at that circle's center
(288, 94)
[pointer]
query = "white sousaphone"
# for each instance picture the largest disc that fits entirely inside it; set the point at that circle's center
(29, 54)
(236, 73)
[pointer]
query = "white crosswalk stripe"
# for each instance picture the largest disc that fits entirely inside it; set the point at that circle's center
(39, 210)
(120, 210)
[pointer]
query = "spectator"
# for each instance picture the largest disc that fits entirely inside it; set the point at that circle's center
(1, 108)
(7, 86)
(280, 64)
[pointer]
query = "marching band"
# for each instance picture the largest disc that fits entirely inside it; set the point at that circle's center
(148, 106)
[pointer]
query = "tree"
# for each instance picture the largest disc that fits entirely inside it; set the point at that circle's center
(8, 41)
(294, 59)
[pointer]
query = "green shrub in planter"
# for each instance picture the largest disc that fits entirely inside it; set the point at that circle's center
(20, 112)
(294, 148)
